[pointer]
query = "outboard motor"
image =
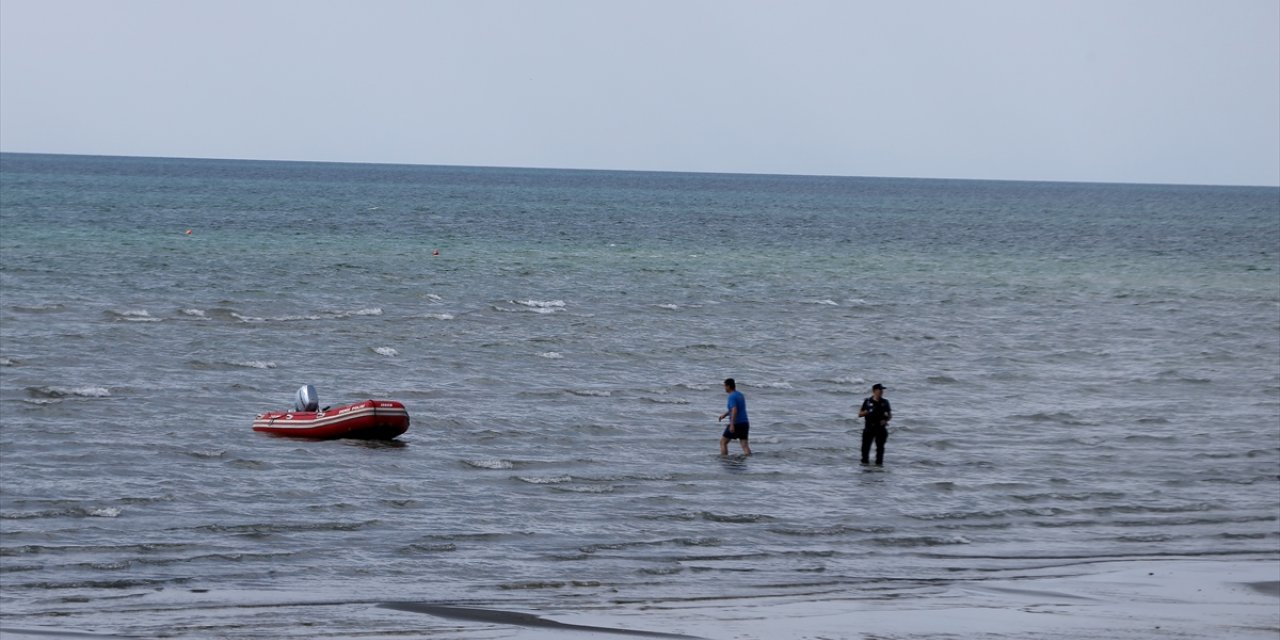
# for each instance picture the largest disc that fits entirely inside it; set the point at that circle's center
(306, 400)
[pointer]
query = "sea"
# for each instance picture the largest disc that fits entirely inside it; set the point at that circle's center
(1079, 373)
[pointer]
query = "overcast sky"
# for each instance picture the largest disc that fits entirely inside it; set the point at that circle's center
(1171, 91)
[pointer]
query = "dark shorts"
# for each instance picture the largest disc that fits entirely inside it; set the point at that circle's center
(740, 430)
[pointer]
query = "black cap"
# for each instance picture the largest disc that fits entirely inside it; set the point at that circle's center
(877, 386)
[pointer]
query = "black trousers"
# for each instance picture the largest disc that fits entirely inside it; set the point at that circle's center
(874, 434)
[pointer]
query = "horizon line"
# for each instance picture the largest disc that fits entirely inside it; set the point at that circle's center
(616, 170)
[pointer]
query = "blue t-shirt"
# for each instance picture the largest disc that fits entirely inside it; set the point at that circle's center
(736, 399)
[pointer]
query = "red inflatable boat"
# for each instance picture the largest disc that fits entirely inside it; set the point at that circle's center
(368, 420)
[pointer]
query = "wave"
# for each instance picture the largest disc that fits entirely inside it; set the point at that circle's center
(922, 541)
(386, 351)
(641, 477)
(551, 480)
(69, 512)
(321, 315)
(846, 380)
(541, 306)
(50, 307)
(542, 584)
(143, 548)
(268, 528)
(210, 453)
(254, 364)
(69, 392)
(665, 400)
(704, 346)
(135, 315)
(830, 531)
(770, 385)
(489, 463)
(259, 319)
(430, 548)
(1060, 417)
(235, 364)
(112, 585)
(588, 488)
(707, 541)
(1150, 438)
(744, 518)
(591, 393)
(698, 386)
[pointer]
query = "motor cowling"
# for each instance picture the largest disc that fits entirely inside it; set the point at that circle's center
(306, 400)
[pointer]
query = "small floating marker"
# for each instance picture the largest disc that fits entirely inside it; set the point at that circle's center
(188, 232)
(434, 252)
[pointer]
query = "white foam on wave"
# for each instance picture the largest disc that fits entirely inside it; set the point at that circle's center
(489, 463)
(541, 306)
(434, 298)
(587, 488)
(551, 480)
(386, 351)
(438, 316)
(772, 385)
(194, 313)
(8, 362)
(254, 364)
(551, 355)
(593, 393)
(136, 315)
(77, 392)
(105, 512)
(670, 307)
(824, 302)
(259, 319)
(356, 313)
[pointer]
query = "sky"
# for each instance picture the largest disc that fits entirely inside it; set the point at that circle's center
(1158, 91)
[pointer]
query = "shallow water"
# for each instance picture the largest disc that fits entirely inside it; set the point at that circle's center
(1078, 372)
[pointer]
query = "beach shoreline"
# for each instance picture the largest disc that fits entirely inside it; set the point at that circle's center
(1122, 599)
(1161, 598)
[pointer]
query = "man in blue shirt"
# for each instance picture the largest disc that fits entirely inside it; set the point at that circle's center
(736, 412)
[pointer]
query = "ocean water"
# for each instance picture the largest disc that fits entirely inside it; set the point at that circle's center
(1079, 372)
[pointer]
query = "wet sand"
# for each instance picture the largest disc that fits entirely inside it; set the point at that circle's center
(1148, 599)
(1157, 599)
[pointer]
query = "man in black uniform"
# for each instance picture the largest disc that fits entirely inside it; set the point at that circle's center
(877, 412)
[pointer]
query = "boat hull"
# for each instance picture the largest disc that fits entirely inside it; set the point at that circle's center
(368, 420)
